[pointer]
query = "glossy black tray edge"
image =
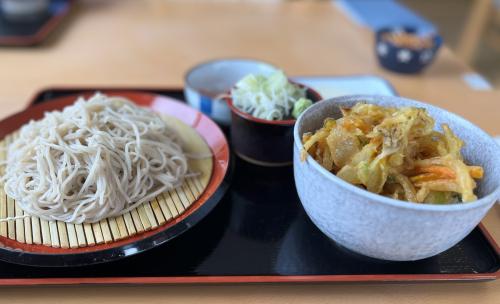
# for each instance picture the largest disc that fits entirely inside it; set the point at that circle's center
(176, 92)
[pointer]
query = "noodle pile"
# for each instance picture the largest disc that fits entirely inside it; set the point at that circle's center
(95, 159)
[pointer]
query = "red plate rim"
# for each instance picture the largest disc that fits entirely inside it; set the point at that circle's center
(208, 129)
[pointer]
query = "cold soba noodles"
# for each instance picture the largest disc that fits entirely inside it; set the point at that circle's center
(95, 159)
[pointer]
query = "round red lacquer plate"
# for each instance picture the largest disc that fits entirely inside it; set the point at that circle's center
(40, 255)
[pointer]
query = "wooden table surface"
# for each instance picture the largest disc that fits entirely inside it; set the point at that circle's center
(152, 43)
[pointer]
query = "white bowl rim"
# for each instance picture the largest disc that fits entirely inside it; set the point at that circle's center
(488, 199)
(205, 63)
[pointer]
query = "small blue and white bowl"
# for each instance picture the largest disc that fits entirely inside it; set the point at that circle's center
(205, 82)
(405, 59)
(381, 227)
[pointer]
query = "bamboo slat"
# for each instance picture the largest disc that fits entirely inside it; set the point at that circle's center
(167, 198)
(36, 230)
(63, 234)
(113, 227)
(89, 234)
(19, 223)
(3, 214)
(106, 231)
(73, 241)
(54, 234)
(28, 231)
(11, 224)
(164, 209)
(129, 222)
(137, 220)
(177, 202)
(46, 240)
(96, 228)
(144, 217)
(150, 215)
(184, 199)
(121, 226)
(157, 212)
(80, 235)
(3, 197)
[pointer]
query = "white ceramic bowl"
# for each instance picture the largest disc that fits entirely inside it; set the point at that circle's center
(207, 80)
(384, 228)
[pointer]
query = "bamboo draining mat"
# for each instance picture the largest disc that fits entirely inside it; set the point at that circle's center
(151, 215)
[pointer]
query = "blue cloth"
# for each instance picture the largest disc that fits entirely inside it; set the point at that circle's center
(377, 14)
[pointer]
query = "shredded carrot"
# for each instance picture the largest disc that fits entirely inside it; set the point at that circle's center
(443, 172)
(425, 177)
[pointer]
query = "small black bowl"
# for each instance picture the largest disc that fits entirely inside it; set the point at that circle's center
(264, 142)
(404, 59)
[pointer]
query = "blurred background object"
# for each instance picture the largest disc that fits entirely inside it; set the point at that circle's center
(471, 28)
(26, 23)
(404, 49)
(23, 10)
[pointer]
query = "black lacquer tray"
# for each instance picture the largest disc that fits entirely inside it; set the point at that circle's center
(260, 233)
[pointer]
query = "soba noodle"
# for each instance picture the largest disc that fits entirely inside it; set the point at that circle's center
(92, 160)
